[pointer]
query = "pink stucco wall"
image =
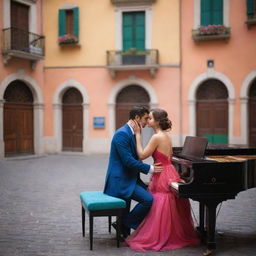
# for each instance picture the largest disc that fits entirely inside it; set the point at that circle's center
(235, 58)
(99, 84)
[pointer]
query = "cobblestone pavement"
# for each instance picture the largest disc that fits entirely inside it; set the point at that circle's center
(40, 212)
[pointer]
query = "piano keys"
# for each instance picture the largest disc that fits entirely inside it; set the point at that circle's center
(220, 175)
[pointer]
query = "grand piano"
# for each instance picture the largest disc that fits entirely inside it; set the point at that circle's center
(212, 174)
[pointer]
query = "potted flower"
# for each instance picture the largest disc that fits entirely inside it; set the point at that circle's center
(211, 32)
(67, 39)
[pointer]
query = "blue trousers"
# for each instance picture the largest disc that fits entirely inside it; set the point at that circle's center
(135, 217)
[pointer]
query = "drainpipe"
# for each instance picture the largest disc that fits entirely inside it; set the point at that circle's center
(180, 77)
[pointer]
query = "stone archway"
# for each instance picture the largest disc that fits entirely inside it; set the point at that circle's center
(153, 101)
(211, 74)
(56, 146)
(37, 110)
(132, 95)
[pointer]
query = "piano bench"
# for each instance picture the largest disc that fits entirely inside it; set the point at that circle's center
(98, 204)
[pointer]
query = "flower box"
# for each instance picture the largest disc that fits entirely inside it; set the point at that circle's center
(67, 40)
(251, 22)
(211, 32)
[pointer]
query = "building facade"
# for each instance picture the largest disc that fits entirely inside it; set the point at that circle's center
(70, 90)
(218, 70)
(21, 78)
(102, 57)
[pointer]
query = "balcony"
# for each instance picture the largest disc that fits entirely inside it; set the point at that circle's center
(22, 44)
(211, 32)
(133, 59)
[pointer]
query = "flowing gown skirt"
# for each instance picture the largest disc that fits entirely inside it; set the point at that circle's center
(169, 224)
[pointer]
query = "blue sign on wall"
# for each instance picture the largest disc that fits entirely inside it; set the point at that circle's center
(99, 122)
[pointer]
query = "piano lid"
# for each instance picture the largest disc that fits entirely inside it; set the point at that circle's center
(194, 147)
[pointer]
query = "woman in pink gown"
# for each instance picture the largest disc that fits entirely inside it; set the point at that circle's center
(169, 224)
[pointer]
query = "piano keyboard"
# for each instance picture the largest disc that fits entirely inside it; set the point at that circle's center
(175, 185)
(237, 158)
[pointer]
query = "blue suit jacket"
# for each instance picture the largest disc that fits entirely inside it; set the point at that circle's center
(124, 166)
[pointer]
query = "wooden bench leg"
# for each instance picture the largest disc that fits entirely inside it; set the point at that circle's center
(91, 230)
(118, 231)
(83, 221)
(109, 224)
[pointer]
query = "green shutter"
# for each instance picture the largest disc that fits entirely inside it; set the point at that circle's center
(217, 12)
(205, 12)
(250, 9)
(211, 12)
(140, 30)
(134, 30)
(216, 138)
(127, 31)
(76, 21)
(62, 22)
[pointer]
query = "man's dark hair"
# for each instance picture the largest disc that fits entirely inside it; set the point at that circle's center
(138, 111)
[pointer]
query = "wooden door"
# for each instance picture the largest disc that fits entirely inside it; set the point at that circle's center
(18, 120)
(212, 112)
(129, 97)
(19, 26)
(72, 121)
(252, 114)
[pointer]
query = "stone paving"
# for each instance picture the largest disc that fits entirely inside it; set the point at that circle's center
(40, 212)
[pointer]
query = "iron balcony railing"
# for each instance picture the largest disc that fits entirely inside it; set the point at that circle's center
(132, 57)
(18, 40)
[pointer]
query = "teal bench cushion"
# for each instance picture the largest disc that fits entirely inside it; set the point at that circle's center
(97, 200)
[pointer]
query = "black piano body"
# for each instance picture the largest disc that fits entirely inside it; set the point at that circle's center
(220, 175)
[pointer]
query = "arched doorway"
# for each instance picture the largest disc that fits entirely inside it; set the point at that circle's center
(132, 95)
(252, 114)
(72, 121)
(18, 119)
(212, 111)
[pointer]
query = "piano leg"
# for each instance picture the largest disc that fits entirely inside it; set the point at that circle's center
(201, 218)
(210, 226)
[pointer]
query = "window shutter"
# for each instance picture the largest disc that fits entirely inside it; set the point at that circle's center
(140, 31)
(250, 9)
(62, 22)
(134, 30)
(205, 12)
(127, 31)
(76, 21)
(217, 12)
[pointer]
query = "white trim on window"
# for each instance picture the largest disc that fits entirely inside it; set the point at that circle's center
(118, 25)
(32, 14)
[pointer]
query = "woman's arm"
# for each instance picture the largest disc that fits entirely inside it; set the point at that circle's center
(149, 149)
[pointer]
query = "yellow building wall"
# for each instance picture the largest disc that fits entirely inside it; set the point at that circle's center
(166, 31)
(97, 33)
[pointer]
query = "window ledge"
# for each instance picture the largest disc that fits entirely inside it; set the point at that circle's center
(251, 22)
(118, 2)
(69, 44)
(208, 37)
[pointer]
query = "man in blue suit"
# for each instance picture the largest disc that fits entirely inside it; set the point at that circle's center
(123, 174)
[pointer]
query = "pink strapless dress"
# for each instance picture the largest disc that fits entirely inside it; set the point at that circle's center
(169, 224)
